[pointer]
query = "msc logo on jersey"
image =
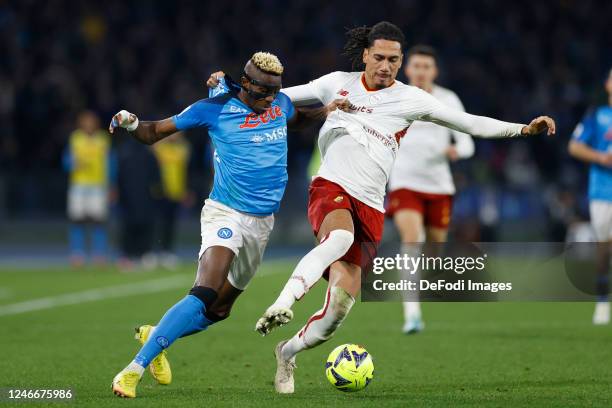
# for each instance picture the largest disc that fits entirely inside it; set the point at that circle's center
(253, 120)
(277, 134)
(225, 233)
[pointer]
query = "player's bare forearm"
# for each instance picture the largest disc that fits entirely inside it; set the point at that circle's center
(305, 117)
(587, 154)
(150, 132)
(146, 132)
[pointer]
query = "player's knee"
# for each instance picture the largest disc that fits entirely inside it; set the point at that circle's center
(207, 295)
(217, 313)
(342, 239)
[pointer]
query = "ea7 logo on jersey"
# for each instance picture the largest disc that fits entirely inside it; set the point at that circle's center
(252, 120)
(237, 109)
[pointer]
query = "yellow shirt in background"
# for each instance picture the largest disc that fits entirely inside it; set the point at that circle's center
(173, 158)
(89, 158)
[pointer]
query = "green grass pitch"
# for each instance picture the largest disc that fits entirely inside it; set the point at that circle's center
(472, 355)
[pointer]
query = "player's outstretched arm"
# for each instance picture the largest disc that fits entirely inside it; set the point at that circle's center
(305, 117)
(482, 126)
(146, 132)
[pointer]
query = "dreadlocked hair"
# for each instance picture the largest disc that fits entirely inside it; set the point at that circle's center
(360, 38)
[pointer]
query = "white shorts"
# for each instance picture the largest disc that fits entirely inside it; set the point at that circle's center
(601, 219)
(246, 235)
(87, 203)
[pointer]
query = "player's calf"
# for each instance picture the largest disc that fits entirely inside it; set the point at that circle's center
(322, 325)
(308, 271)
(312, 266)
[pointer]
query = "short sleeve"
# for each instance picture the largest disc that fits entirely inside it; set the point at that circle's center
(286, 105)
(199, 114)
(585, 130)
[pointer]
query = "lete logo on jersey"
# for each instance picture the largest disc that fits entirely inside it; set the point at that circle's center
(252, 120)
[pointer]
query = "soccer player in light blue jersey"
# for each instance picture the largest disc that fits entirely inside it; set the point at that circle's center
(592, 143)
(248, 128)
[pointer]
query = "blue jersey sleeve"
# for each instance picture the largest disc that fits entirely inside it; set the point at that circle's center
(585, 130)
(286, 105)
(202, 113)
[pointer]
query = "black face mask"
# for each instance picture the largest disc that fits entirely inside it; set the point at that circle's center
(269, 90)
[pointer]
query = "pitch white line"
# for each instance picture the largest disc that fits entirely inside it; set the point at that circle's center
(92, 295)
(110, 292)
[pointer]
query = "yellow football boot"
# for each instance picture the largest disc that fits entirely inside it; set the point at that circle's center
(160, 366)
(124, 383)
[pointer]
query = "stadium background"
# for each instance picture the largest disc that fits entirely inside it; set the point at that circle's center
(63, 327)
(511, 60)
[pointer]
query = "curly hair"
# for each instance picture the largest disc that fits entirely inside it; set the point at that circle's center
(360, 38)
(268, 63)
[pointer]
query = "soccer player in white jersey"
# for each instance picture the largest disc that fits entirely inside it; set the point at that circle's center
(421, 185)
(359, 145)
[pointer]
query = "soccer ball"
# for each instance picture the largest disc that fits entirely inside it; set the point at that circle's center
(349, 367)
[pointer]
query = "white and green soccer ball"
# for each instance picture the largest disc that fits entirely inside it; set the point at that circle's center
(349, 367)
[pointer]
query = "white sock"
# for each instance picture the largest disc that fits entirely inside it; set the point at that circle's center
(412, 310)
(412, 307)
(322, 325)
(311, 267)
(134, 366)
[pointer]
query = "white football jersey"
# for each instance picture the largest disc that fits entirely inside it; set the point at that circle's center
(421, 163)
(358, 147)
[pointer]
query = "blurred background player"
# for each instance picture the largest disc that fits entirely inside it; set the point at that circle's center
(139, 187)
(421, 185)
(91, 166)
(592, 143)
(173, 155)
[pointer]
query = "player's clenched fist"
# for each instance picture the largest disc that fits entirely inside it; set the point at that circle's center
(539, 125)
(214, 79)
(342, 104)
(123, 119)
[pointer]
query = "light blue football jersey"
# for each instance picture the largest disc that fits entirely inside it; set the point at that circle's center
(250, 149)
(595, 130)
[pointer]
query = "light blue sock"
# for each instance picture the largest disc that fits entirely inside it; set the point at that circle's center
(76, 239)
(184, 318)
(99, 240)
